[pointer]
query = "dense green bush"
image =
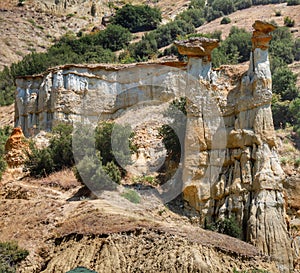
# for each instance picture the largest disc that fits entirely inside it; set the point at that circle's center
(288, 21)
(4, 134)
(161, 37)
(224, 6)
(293, 2)
(131, 196)
(228, 226)
(58, 155)
(10, 256)
(284, 83)
(295, 113)
(91, 172)
(194, 17)
(225, 20)
(114, 37)
(243, 4)
(173, 134)
(111, 141)
(113, 144)
(197, 4)
(234, 49)
(137, 18)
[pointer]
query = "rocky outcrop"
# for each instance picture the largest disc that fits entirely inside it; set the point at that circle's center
(230, 165)
(15, 148)
(146, 251)
(249, 183)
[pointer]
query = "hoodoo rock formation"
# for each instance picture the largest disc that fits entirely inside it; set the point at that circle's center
(230, 165)
(249, 186)
(15, 148)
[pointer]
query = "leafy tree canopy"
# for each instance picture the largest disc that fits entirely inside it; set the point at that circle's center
(138, 18)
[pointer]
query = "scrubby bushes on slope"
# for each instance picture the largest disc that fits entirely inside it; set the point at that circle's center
(4, 134)
(10, 256)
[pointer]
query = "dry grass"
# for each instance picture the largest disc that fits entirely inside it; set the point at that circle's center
(63, 180)
(289, 155)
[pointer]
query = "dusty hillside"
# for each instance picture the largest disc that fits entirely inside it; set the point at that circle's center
(127, 238)
(7, 114)
(245, 18)
(25, 30)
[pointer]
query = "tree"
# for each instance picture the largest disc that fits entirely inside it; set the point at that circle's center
(10, 256)
(4, 134)
(197, 4)
(137, 18)
(114, 142)
(294, 109)
(114, 37)
(192, 16)
(282, 44)
(225, 6)
(55, 157)
(284, 84)
(173, 134)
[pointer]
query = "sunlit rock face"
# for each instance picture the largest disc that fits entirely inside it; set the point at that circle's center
(16, 148)
(249, 183)
(230, 165)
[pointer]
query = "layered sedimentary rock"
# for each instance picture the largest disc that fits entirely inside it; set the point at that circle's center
(249, 184)
(230, 165)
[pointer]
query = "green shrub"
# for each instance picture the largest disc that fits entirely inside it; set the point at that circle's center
(194, 17)
(283, 160)
(225, 20)
(91, 172)
(58, 155)
(224, 6)
(293, 2)
(295, 113)
(131, 196)
(228, 226)
(10, 256)
(284, 83)
(137, 18)
(197, 4)
(288, 21)
(243, 4)
(282, 45)
(173, 134)
(111, 135)
(281, 112)
(114, 37)
(4, 134)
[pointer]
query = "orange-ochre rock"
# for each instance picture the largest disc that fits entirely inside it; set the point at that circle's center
(15, 148)
(261, 36)
(197, 47)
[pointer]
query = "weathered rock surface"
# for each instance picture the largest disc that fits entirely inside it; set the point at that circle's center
(249, 183)
(15, 148)
(230, 166)
(62, 235)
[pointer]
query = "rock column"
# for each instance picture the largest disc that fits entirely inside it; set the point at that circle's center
(198, 50)
(249, 186)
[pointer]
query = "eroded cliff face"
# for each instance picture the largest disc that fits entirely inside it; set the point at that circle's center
(249, 184)
(230, 165)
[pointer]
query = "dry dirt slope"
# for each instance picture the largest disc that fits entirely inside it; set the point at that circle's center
(62, 235)
(245, 18)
